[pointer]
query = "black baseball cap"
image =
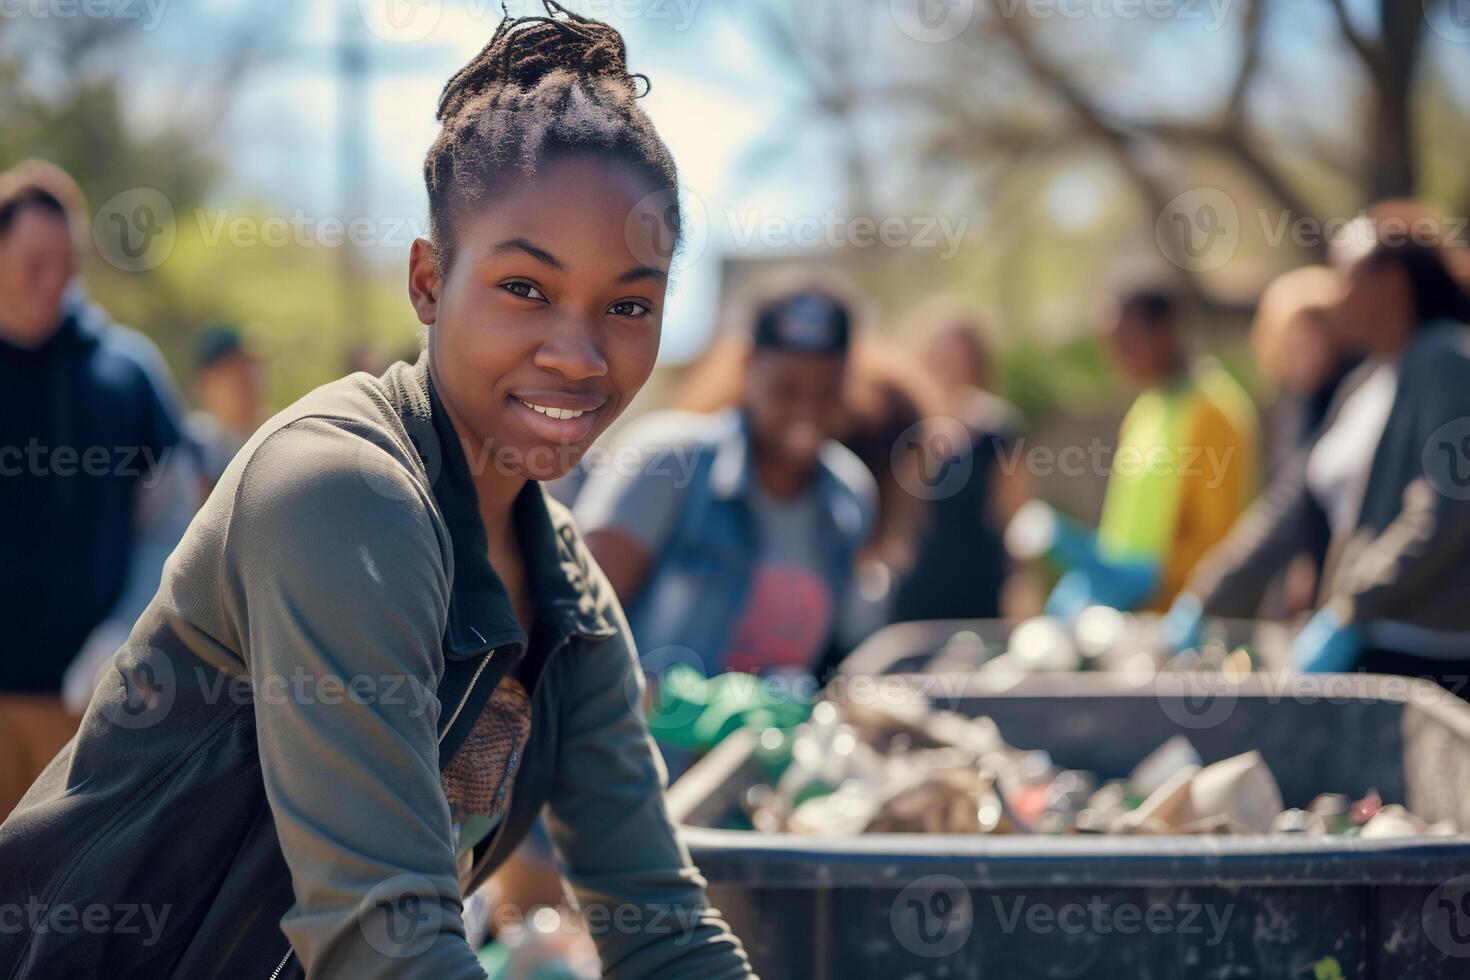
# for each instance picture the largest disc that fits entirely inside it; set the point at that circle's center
(221, 341)
(809, 320)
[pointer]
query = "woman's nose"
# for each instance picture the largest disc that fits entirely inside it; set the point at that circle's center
(572, 350)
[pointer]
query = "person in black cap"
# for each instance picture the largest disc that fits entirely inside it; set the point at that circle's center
(731, 537)
(228, 390)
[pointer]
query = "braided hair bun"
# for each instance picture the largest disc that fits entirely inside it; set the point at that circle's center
(543, 86)
(524, 51)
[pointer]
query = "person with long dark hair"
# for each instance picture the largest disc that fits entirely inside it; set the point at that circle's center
(380, 648)
(960, 566)
(1389, 472)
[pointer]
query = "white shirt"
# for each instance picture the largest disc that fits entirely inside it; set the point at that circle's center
(1338, 465)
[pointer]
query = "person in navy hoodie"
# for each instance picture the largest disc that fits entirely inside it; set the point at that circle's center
(94, 492)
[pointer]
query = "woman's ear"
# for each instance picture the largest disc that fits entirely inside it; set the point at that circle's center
(423, 280)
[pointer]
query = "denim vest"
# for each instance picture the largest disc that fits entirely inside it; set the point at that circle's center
(697, 588)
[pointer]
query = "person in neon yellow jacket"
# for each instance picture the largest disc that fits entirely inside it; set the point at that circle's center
(1185, 468)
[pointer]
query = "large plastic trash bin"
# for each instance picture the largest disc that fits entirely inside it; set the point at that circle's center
(1010, 908)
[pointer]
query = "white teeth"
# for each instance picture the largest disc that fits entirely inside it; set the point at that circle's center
(553, 413)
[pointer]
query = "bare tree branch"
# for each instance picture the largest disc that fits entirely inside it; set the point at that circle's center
(1125, 139)
(1249, 61)
(1367, 52)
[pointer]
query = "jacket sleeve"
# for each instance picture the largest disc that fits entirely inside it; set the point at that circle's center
(335, 585)
(642, 899)
(1428, 539)
(1232, 577)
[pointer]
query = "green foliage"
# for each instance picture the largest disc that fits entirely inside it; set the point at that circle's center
(287, 298)
(1040, 379)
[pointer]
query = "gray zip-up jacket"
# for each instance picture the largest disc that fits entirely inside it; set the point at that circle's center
(259, 783)
(1404, 559)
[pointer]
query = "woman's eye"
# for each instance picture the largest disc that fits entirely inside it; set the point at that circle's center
(522, 289)
(629, 307)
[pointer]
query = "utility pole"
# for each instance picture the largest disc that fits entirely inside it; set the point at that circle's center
(354, 192)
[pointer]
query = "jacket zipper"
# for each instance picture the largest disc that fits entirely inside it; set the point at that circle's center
(464, 699)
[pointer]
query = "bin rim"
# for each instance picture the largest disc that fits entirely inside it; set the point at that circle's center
(944, 690)
(1105, 861)
(896, 641)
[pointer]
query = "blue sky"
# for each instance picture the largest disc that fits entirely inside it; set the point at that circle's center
(720, 98)
(714, 96)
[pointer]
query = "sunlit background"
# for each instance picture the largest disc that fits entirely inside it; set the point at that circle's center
(1026, 155)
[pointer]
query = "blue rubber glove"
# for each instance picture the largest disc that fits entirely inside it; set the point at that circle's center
(1073, 593)
(1184, 622)
(1073, 544)
(1326, 646)
(1121, 584)
(1038, 531)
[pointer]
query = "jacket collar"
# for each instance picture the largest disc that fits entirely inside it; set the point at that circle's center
(481, 616)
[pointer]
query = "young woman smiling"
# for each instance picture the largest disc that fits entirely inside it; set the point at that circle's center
(381, 648)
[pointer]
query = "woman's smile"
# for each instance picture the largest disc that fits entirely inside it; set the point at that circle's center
(559, 417)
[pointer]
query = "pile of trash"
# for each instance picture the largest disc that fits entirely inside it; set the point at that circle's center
(859, 769)
(1102, 638)
(689, 712)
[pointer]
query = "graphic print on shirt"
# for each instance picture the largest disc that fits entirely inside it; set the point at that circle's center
(785, 623)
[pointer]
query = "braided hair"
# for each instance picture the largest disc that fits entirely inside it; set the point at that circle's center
(543, 87)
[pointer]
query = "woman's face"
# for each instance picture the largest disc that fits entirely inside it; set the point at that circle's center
(547, 322)
(37, 261)
(1308, 355)
(1375, 311)
(950, 358)
(794, 402)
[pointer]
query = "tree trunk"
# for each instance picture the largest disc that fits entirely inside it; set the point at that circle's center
(1392, 165)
